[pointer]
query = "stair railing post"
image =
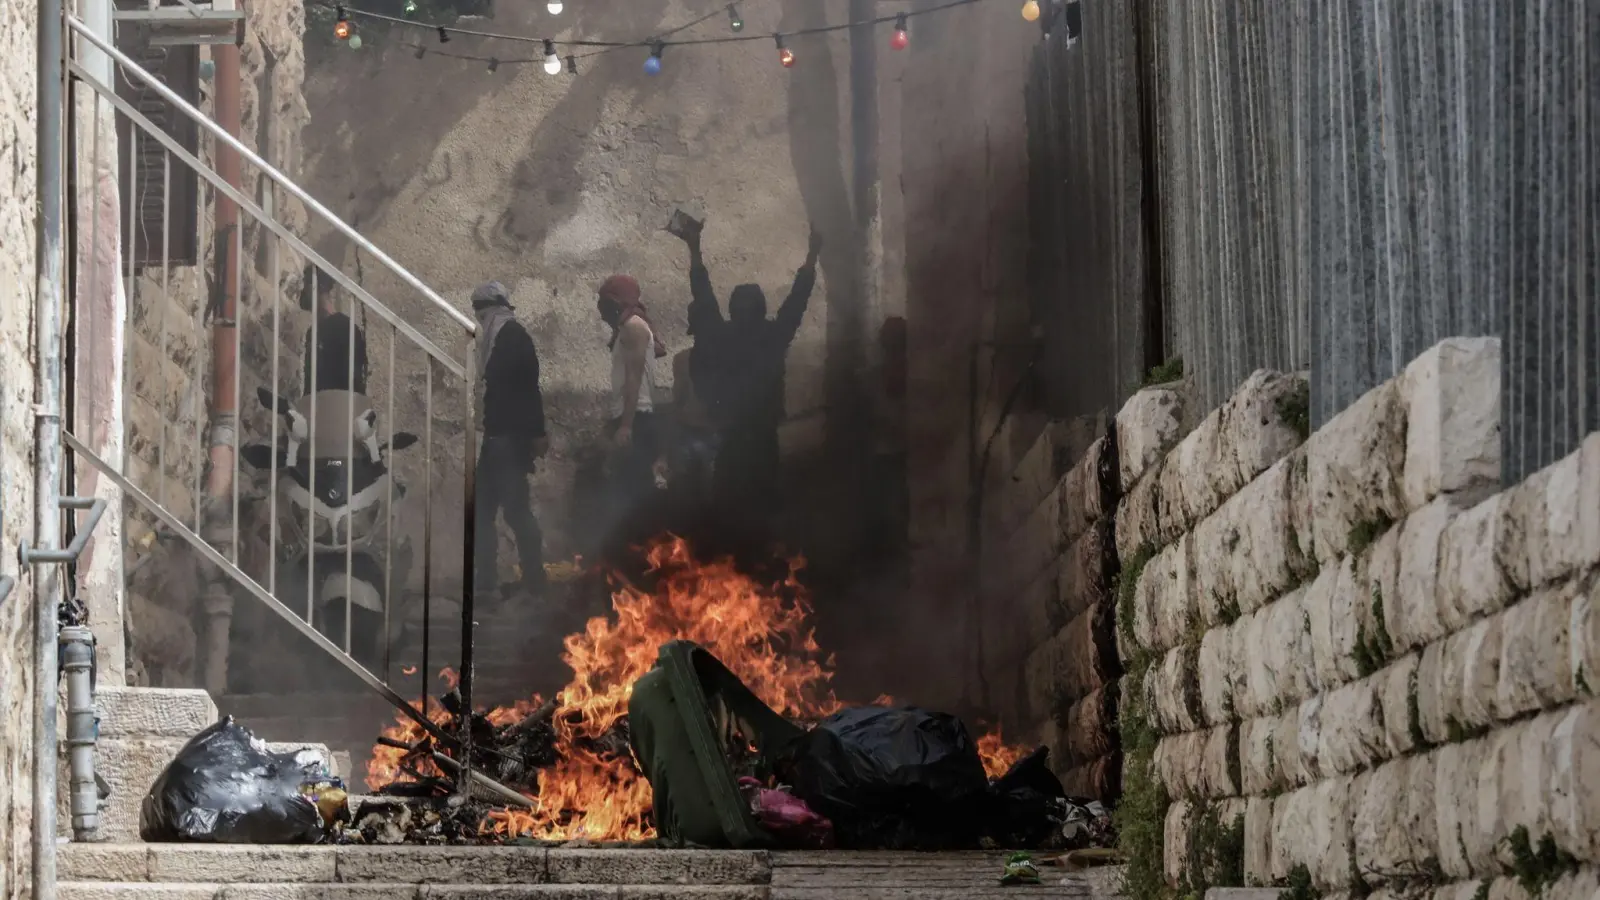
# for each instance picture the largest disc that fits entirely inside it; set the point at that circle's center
(468, 536)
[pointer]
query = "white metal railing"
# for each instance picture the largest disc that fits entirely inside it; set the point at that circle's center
(318, 459)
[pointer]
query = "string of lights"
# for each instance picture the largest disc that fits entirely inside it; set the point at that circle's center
(553, 62)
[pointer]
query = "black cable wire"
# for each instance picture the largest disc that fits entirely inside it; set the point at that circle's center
(652, 41)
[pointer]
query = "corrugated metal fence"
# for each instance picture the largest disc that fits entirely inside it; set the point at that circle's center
(1333, 186)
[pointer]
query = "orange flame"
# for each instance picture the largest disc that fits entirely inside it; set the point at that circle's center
(760, 633)
(998, 758)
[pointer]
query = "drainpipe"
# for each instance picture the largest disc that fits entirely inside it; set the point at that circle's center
(218, 600)
(47, 447)
(77, 659)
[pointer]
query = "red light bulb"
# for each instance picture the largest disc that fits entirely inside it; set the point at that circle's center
(902, 38)
(341, 30)
(786, 57)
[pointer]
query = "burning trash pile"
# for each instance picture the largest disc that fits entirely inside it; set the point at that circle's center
(713, 688)
(582, 766)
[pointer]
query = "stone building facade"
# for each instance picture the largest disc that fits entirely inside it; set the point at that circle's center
(18, 102)
(169, 358)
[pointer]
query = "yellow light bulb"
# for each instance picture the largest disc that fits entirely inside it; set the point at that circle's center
(1030, 11)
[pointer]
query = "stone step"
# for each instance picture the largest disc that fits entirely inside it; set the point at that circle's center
(191, 872)
(127, 712)
(194, 864)
(96, 890)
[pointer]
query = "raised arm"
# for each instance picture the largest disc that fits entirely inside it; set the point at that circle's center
(704, 310)
(793, 311)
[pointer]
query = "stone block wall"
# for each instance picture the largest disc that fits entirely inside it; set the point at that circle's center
(1049, 652)
(1361, 667)
(18, 206)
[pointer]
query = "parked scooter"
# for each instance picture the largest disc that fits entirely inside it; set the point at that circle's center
(333, 508)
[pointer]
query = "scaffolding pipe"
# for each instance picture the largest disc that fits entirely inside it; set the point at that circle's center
(221, 483)
(47, 446)
(77, 660)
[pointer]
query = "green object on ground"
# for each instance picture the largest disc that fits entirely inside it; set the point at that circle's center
(1020, 870)
(681, 717)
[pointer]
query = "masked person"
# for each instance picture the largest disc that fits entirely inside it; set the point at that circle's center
(632, 427)
(513, 430)
(738, 369)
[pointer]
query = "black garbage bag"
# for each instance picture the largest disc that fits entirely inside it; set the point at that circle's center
(1027, 805)
(225, 787)
(893, 779)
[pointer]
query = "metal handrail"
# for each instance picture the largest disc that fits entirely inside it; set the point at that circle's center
(245, 203)
(461, 368)
(221, 561)
(219, 133)
(96, 507)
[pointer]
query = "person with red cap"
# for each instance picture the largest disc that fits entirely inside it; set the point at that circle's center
(632, 426)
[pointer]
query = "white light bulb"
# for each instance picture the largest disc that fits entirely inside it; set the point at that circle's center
(552, 64)
(555, 7)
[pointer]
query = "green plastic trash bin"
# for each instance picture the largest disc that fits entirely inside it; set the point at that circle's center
(681, 718)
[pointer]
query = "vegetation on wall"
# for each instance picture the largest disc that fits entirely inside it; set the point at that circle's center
(1141, 813)
(1166, 373)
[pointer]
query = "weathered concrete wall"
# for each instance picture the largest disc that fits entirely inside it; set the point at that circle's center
(550, 183)
(18, 101)
(1365, 662)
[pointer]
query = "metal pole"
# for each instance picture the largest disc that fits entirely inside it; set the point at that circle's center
(47, 449)
(468, 588)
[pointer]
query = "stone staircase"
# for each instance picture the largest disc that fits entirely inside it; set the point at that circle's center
(141, 730)
(186, 872)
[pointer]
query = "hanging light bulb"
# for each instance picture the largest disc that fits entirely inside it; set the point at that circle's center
(901, 38)
(785, 55)
(411, 7)
(554, 7)
(341, 28)
(355, 42)
(552, 62)
(1030, 11)
(494, 64)
(735, 23)
(652, 66)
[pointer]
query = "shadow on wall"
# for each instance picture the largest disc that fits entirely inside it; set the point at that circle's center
(395, 117)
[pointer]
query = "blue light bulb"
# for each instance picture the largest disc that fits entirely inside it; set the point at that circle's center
(652, 66)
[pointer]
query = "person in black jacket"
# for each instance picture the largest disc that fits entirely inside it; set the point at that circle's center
(333, 368)
(514, 438)
(738, 368)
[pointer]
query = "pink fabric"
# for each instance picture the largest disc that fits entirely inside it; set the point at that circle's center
(787, 817)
